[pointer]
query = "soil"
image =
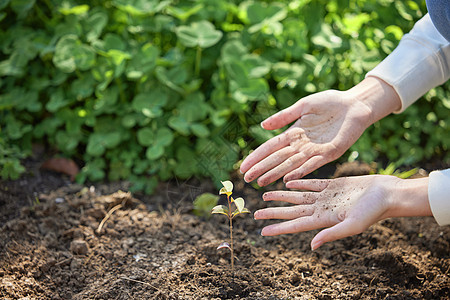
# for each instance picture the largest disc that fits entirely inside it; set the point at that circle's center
(54, 245)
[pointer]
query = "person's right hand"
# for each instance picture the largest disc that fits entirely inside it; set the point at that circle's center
(343, 206)
(326, 125)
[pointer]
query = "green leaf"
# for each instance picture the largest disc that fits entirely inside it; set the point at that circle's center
(240, 204)
(179, 124)
(252, 89)
(233, 50)
(66, 142)
(4, 3)
(75, 10)
(118, 56)
(164, 137)
(220, 209)
(129, 121)
(258, 12)
(227, 188)
(194, 108)
(183, 13)
(154, 152)
(57, 101)
(326, 38)
(95, 24)
(21, 7)
(201, 34)
(172, 78)
(200, 130)
(71, 54)
(11, 169)
(237, 212)
(100, 141)
(150, 104)
(141, 7)
(145, 136)
(142, 62)
(204, 204)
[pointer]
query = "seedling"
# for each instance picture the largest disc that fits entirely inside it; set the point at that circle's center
(239, 203)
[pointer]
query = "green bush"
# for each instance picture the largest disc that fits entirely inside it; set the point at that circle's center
(146, 90)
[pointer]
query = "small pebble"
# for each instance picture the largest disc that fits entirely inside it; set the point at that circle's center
(79, 247)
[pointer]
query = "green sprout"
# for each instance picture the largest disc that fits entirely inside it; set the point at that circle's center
(239, 203)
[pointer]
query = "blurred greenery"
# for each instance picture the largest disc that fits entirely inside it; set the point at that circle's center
(146, 90)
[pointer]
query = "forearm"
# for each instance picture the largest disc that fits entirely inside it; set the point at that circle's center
(409, 198)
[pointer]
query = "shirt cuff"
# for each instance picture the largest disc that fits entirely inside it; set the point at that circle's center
(439, 196)
(419, 63)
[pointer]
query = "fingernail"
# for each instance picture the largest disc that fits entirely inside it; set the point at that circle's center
(241, 171)
(262, 125)
(316, 245)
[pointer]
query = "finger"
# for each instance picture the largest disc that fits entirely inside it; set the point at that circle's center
(292, 226)
(291, 197)
(283, 117)
(284, 213)
(338, 231)
(268, 163)
(315, 185)
(309, 166)
(284, 168)
(274, 144)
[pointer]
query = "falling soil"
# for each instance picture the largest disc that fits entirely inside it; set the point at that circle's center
(61, 240)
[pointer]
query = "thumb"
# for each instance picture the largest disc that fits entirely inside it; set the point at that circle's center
(283, 117)
(341, 230)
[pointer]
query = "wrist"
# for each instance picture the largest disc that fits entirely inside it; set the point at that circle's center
(409, 198)
(379, 98)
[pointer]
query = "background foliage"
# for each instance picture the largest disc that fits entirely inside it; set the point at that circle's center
(146, 90)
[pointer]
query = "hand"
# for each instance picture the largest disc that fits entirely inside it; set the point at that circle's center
(326, 125)
(346, 206)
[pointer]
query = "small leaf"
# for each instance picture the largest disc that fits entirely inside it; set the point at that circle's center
(224, 245)
(145, 136)
(220, 209)
(237, 212)
(202, 34)
(76, 10)
(204, 203)
(240, 203)
(227, 188)
(154, 152)
(200, 130)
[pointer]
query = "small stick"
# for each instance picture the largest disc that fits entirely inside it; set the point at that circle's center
(142, 282)
(110, 212)
(63, 261)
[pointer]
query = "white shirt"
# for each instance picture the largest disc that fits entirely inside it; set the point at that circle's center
(421, 62)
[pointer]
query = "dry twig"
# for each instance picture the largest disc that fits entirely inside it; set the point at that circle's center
(142, 282)
(109, 214)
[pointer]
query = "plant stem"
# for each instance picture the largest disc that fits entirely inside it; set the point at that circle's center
(231, 234)
(198, 60)
(231, 244)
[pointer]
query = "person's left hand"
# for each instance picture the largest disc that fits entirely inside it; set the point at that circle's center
(346, 206)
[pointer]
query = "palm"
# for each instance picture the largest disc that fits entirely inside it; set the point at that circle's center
(345, 206)
(326, 126)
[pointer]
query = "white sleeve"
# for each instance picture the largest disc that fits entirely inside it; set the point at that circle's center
(439, 195)
(420, 62)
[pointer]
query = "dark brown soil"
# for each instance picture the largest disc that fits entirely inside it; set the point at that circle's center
(153, 247)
